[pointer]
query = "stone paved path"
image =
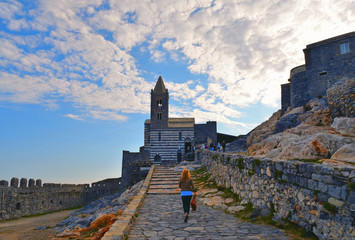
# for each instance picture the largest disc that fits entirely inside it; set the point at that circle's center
(161, 217)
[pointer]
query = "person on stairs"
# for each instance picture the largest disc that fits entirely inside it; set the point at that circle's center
(187, 187)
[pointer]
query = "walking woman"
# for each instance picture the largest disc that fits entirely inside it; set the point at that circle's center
(187, 187)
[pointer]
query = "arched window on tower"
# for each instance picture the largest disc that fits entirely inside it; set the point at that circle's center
(159, 102)
(159, 116)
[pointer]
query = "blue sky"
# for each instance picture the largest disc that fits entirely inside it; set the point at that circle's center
(75, 76)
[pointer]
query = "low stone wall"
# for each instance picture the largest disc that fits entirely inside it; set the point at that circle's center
(36, 199)
(123, 224)
(299, 192)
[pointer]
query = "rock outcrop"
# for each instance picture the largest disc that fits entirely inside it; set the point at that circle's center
(264, 130)
(307, 133)
(103, 207)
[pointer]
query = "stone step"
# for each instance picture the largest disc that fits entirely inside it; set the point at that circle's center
(164, 184)
(175, 186)
(163, 191)
(166, 176)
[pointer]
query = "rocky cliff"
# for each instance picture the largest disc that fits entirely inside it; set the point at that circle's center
(315, 131)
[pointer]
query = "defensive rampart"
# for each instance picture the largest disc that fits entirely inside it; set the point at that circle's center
(319, 198)
(33, 198)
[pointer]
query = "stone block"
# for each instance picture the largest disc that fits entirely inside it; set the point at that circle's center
(301, 181)
(344, 192)
(322, 187)
(312, 184)
(351, 197)
(334, 191)
(31, 182)
(322, 197)
(14, 182)
(323, 178)
(279, 167)
(39, 183)
(4, 183)
(336, 202)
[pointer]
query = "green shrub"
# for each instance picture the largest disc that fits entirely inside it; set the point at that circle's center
(257, 162)
(330, 208)
(240, 164)
(278, 174)
(307, 108)
(351, 186)
(320, 124)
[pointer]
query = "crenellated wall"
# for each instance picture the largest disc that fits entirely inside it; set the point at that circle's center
(297, 190)
(32, 198)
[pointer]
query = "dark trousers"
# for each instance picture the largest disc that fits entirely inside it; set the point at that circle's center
(186, 200)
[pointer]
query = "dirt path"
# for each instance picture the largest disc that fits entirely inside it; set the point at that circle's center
(24, 228)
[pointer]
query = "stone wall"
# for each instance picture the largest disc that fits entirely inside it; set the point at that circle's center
(341, 99)
(204, 131)
(135, 167)
(17, 201)
(285, 97)
(299, 192)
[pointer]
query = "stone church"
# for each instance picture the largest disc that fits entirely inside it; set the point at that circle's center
(165, 137)
(167, 141)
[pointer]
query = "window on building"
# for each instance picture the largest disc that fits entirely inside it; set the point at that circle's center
(159, 116)
(159, 102)
(344, 47)
(159, 136)
(322, 73)
(180, 136)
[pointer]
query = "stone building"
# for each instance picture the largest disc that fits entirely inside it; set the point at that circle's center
(165, 137)
(166, 140)
(326, 62)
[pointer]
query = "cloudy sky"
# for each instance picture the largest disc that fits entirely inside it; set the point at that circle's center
(75, 76)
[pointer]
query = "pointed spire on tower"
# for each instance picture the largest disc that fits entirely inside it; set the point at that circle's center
(160, 87)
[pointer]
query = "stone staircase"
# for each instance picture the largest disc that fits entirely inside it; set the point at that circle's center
(164, 181)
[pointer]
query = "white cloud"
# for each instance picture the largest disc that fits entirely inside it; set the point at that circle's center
(73, 116)
(79, 51)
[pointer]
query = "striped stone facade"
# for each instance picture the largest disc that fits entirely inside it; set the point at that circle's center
(167, 142)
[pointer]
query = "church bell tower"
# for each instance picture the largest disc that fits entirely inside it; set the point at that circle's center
(159, 106)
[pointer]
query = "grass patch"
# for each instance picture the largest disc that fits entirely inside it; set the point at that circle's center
(330, 208)
(351, 186)
(320, 161)
(320, 124)
(257, 162)
(278, 174)
(227, 193)
(307, 108)
(240, 164)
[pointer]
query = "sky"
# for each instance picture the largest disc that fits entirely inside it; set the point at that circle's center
(75, 76)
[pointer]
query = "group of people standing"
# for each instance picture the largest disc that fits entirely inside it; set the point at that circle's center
(213, 147)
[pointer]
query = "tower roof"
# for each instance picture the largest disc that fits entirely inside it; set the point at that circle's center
(160, 87)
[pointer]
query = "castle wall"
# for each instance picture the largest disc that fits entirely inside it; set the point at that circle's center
(203, 131)
(285, 97)
(297, 191)
(135, 167)
(324, 66)
(31, 200)
(327, 65)
(298, 88)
